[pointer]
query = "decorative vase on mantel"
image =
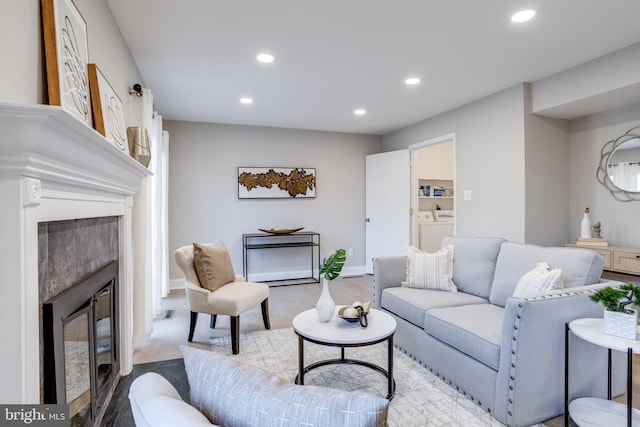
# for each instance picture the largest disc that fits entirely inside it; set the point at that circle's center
(621, 324)
(325, 305)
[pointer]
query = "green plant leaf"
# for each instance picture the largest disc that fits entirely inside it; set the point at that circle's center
(332, 266)
(617, 298)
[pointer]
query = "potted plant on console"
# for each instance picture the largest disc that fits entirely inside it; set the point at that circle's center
(329, 270)
(619, 319)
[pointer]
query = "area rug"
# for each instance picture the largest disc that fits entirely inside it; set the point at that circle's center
(421, 399)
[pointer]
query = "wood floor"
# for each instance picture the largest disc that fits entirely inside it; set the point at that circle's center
(284, 303)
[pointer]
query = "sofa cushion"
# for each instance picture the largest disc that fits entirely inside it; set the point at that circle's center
(235, 394)
(579, 267)
(430, 270)
(474, 263)
(411, 304)
(472, 329)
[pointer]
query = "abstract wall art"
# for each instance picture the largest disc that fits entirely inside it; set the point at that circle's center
(66, 57)
(276, 183)
(108, 110)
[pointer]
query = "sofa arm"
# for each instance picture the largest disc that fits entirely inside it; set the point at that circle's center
(156, 403)
(530, 382)
(388, 271)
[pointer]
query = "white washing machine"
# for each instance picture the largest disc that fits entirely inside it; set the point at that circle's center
(433, 227)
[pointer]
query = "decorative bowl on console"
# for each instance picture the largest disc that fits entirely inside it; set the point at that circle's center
(280, 230)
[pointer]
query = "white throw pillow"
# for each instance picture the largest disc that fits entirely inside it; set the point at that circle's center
(430, 270)
(538, 280)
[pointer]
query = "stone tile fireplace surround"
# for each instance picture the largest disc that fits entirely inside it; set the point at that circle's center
(54, 168)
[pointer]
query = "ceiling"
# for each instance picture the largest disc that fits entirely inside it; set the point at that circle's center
(333, 56)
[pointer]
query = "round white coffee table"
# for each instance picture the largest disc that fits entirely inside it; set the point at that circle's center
(340, 333)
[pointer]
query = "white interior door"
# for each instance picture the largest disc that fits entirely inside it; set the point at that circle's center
(388, 184)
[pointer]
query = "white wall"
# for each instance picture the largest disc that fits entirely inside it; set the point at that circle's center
(587, 137)
(22, 65)
(489, 162)
(203, 195)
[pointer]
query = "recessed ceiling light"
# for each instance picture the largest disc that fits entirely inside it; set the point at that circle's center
(412, 81)
(265, 57)
(246, 100)
(523, 15)
(360, 112)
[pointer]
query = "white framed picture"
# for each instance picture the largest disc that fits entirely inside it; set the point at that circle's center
(108, 109)
(66, 56)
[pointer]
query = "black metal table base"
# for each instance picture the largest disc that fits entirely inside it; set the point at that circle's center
(388, 373)
(629, 379)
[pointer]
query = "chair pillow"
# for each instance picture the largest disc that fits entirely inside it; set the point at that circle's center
(430, 270)
(538, 280)
(231, 393)
(213, 265)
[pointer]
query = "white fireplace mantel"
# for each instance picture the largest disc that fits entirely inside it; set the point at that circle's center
(53, 167)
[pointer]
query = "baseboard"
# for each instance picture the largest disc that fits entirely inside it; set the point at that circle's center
(176, 284)
(265, 277)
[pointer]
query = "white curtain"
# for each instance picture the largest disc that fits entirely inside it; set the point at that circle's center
(625, 175)
(143, 313)
(159, 204)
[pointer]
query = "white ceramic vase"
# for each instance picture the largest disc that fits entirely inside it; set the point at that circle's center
(325, 305)
(585, 225)
(621, 324)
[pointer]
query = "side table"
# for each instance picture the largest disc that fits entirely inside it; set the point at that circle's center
(587, 411)
(338, 333)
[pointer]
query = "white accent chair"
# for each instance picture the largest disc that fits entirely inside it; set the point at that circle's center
(231, 299)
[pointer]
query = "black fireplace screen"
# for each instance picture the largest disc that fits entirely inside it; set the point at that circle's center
(79, 337)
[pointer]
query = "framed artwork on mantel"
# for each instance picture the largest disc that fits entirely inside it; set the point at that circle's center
(108, 110)
(66, 57)
(276, 183)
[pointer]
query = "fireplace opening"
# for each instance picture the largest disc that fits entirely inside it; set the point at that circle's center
(80, 354)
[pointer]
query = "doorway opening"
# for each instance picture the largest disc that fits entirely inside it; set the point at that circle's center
(432, 192)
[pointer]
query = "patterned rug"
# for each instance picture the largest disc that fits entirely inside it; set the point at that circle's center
(421, 398)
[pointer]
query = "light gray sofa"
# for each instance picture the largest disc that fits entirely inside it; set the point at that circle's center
(504, 353)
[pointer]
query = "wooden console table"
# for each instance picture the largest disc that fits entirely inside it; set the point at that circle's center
(618, 259)
(305, 240)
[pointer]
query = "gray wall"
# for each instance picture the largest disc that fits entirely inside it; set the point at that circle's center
(546, 178)
(23, 57)
(203, 195)
(587, 137)
(489, 150)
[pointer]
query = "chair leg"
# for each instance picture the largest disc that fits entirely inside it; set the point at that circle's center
(192, 325)
(213, 321)
(235, 334)
(265, 314)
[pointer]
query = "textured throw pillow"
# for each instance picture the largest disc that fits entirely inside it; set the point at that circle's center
(538, 280)
(213, 265)
(430, 270)
(231, 393)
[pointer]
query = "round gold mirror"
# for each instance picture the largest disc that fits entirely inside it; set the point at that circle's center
(619, 168)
